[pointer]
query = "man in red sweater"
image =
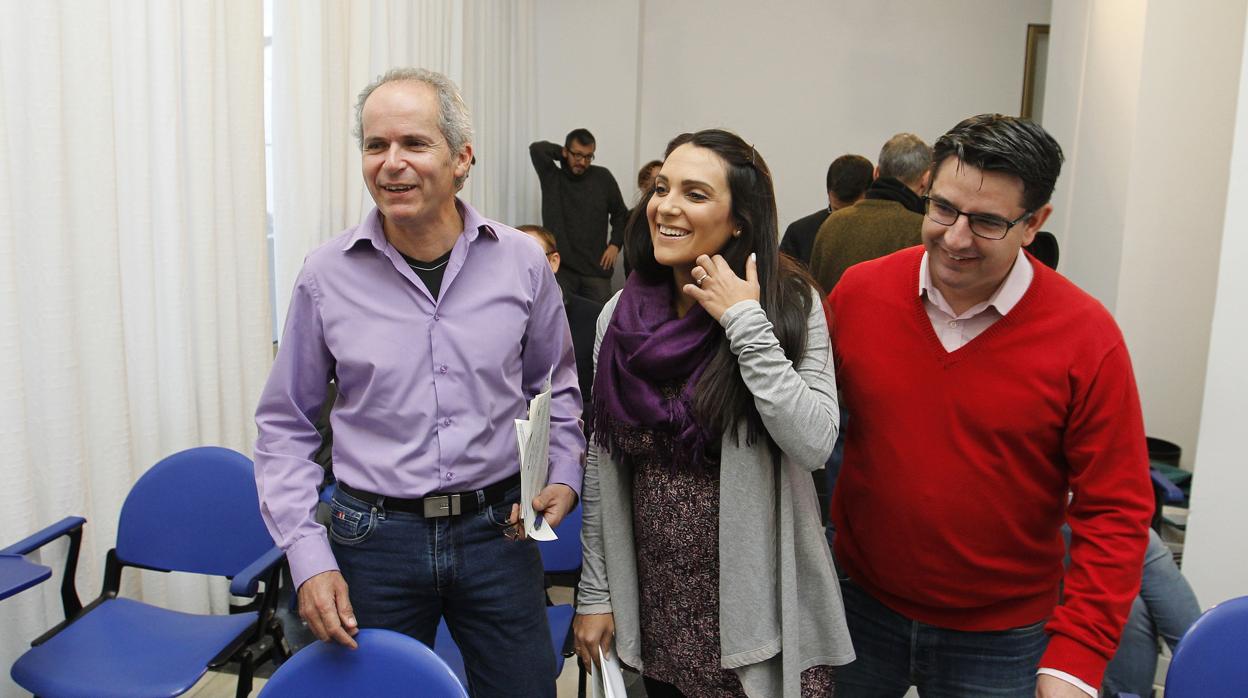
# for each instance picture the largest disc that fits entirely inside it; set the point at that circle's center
(992, 401)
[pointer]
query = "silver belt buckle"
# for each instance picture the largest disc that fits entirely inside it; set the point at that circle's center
(441, 505)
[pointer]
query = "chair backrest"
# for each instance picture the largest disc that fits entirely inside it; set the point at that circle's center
(195, 511)
(386, 663)
(1211, 660)
(563, 555)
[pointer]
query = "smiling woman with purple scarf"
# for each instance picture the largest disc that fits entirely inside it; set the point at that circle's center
(705, 563)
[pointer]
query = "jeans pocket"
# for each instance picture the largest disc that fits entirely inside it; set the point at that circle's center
(497, 514)
(349, 525)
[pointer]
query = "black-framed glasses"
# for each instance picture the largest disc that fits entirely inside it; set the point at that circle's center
(580, 157)
(982, 225)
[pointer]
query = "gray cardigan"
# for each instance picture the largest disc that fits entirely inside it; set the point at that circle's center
(778, 589)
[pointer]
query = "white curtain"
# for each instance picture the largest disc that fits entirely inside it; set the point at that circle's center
(326, 51)
(134, 315)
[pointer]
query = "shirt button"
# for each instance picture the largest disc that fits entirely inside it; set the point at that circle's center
(437, 317)
(450, 476)
(442, 368)
(446, 422)
(952, 323)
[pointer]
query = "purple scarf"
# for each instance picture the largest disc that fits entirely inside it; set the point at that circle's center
(648, 366)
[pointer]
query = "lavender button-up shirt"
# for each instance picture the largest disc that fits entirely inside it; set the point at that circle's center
(427, 389)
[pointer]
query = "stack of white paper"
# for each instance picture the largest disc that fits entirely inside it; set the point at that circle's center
(533, 437)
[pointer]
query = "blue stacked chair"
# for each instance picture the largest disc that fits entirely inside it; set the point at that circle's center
(196, 511)
(385, 663)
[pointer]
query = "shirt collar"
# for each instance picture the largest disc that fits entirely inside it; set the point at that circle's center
(370, 229)
(1003, 300)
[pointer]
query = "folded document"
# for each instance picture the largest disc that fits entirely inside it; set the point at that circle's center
(607, 680)
(533, 437)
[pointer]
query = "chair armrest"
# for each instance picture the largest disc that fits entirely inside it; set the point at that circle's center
(69, 526)
(1171, 492)
(34, 541)
(245, 583)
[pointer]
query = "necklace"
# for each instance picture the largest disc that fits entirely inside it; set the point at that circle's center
(432, 268)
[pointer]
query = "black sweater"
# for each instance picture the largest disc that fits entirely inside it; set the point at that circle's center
(576, 208)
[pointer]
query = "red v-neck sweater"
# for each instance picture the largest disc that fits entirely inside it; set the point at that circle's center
(957, 464)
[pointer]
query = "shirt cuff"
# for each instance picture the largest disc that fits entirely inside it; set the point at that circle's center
(566, 472)
(1068, 679)
(310, 556)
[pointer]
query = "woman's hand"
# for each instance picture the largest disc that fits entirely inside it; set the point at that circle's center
(720, 288)
(593, 631)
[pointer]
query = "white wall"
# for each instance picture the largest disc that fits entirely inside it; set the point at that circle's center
(587, 78)
(1216, 558)
(805, 81)
(1176, 203)
(1095, 54)
(1142, 95)
(811, 80)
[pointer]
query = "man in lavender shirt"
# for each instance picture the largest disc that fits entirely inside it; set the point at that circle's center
(438, 326)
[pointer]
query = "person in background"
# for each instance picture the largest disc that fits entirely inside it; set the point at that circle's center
(1165, 608)
(887, 219)
(579, 198)
(991, 401)
(582, 316)
(714, 399)
(847, 180)
(646, 175)
(645, 182)
(439, 325)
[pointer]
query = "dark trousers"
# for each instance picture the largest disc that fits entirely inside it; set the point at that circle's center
(595, 288)
(658, 689)
(895, 652)
(405, 572)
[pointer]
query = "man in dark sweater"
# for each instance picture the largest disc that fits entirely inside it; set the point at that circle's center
(578, 198)
(887, 219)
(848, 179)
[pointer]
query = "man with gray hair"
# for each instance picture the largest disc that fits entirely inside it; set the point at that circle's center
(439, 326)
(887, 219)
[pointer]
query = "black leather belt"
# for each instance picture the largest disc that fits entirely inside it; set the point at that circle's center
(439, 504)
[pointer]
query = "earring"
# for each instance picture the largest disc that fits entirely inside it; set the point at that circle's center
(736, 233)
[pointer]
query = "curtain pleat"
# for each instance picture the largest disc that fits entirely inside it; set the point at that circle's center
(134, 314)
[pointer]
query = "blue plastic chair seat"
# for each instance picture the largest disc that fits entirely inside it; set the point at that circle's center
(386, 663)
(558, 617)
(563, 554)
(124, 648)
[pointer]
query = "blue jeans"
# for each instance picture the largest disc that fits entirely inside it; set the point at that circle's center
(405, 572)
(895, 652)
(1166, 607)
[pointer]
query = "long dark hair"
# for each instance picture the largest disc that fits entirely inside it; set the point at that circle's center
(721, 400)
